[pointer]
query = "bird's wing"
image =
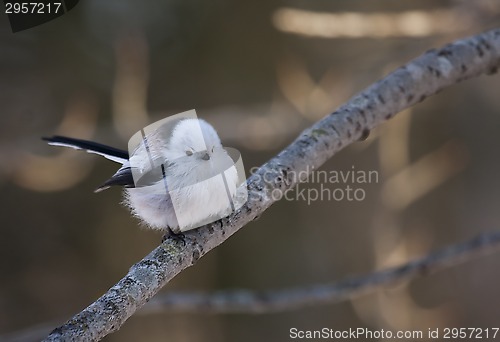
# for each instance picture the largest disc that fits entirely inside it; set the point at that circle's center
(122, 177)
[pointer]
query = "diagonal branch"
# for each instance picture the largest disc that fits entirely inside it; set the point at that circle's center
(410, 84)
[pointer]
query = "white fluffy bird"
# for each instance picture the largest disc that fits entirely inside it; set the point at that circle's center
(173, 179)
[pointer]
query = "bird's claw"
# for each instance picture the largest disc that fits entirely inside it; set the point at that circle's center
(177, 237)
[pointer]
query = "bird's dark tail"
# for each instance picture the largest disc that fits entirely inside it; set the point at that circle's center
(111, 153)
(122, 177)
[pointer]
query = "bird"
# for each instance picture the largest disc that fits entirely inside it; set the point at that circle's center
(177, 177)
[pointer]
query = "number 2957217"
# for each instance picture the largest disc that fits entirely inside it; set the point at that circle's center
(33, 7)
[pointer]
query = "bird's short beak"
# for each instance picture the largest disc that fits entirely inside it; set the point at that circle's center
(206, 156)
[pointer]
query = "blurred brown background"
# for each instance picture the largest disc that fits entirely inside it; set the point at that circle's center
(260, 72)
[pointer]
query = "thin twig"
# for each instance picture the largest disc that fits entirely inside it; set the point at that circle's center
(246, 301)
(408, 85)
(252, 302)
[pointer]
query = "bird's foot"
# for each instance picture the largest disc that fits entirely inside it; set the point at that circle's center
(177, 237)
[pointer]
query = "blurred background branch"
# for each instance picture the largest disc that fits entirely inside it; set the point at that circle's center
(252, 302)
(245, 301)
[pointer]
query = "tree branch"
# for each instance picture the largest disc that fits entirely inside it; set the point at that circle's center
(412, 83)
(245, 301)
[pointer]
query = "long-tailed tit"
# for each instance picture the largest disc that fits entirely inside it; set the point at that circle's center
(172, 179)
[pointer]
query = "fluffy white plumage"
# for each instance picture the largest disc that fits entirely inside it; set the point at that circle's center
(177, 182)
(196, 191)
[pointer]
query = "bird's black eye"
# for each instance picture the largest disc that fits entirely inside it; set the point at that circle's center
(189, 153)
(213, 149)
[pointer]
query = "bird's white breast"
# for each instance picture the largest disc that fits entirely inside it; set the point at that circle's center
(184, 206)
